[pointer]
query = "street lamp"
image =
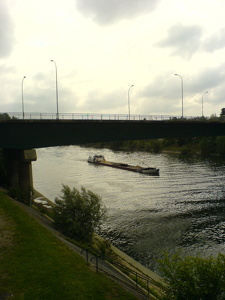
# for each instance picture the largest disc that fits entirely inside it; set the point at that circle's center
(129, 101)
(56, 85)
(22, 96)
(182, 94)
(202, 102)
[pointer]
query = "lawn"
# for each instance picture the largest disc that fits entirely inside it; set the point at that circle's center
(34, 264)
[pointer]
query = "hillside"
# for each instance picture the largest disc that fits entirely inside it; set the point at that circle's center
(34, 264)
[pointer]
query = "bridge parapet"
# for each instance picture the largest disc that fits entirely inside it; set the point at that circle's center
(95, 116)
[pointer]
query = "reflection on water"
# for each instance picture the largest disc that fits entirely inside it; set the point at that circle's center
(183, 208)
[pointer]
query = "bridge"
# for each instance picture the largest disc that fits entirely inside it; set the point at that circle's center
(19, 138)
(29, 134)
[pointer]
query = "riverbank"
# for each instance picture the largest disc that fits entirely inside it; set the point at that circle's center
(38, 264)
(41, 203)
(44, 204)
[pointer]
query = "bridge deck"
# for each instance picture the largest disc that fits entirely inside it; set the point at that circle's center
(28, 134)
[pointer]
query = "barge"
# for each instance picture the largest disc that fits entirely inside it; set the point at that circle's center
(100, 160)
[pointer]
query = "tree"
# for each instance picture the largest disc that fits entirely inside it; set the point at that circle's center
(78, 214)
(194, 278)
(3, 178)
(4, 116)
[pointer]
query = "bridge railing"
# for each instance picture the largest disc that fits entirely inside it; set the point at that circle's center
(91, 116)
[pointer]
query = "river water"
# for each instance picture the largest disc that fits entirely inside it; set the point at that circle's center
(182, 209)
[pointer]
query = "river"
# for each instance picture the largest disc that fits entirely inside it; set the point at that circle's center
(182, 209)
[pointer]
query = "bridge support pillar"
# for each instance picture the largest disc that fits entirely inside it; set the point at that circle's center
(19, 172)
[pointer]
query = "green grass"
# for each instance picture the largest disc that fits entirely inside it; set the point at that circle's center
(36, 265)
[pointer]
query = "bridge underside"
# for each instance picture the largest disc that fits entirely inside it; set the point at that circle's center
(28, 134)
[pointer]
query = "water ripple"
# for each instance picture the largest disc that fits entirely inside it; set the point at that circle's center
(182, 208)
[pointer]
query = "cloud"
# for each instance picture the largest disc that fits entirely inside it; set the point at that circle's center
(110, 102)
(215, 42)
(40, 94)
(160, 96)
(208, 78)
(185, 40)
(163, 94)
(106, 12)
(6, 30)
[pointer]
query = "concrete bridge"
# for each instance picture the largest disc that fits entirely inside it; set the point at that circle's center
(19, 138)
(30, 134)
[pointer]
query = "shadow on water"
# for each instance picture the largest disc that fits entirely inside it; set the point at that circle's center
(152, 232)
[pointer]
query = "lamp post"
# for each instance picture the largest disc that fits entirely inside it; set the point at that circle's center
(129, 101)
(56, 88)
(22, 96)
(202, 103)
(182, 94)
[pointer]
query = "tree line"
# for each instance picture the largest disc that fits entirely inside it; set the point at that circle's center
(196, 145)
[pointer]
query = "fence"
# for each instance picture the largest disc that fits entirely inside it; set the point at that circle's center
(91, 116)
(141, 282)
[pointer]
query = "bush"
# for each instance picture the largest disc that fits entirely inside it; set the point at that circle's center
(77, 214)
(194, 278)
(207, 145)
(3, 176)
(4, 116)
(220, 145)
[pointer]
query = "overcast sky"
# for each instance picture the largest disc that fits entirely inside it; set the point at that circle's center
(102, 47)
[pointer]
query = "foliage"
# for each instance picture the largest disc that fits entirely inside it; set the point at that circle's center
(77, 214)
(3, 179)
(201, 145)
(194, 278)
(4, 116)
(220, 145)
(207, 145)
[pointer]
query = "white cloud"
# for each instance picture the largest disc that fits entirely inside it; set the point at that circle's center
(102, 47)
(211, 78)
(215, 42)
(107, 12)
(6, 30)
(184, 40)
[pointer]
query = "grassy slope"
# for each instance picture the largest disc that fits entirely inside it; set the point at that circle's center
(35, 265)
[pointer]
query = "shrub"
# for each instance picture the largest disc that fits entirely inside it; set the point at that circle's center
(194, 278)
(207, 145)
(220, 145)
(77, 214)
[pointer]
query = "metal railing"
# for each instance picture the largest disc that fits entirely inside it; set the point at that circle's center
(92, 116)
(135, 276)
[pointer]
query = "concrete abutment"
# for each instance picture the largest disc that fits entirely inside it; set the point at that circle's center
(18, 164)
